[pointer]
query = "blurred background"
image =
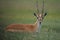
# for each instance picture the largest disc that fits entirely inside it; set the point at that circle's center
(21, 12)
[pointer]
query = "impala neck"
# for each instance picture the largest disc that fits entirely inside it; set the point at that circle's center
(38, 24)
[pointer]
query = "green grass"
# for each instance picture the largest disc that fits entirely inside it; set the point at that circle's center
(21, 11)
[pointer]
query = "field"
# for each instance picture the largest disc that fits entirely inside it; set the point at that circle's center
(21, 12)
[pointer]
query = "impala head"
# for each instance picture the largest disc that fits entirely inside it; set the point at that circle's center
(40, 17)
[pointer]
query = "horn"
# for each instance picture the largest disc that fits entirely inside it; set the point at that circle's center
(43, 7)
(37, 6)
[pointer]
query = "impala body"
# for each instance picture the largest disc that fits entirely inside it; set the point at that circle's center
(27, 27)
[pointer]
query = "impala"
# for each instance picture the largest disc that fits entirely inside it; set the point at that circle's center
(27, 27)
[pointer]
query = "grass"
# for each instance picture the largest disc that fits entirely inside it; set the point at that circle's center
(21, 11)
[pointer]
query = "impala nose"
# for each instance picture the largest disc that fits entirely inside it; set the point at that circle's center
(40, 22)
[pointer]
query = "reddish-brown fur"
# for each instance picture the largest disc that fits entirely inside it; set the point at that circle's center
(21, 27)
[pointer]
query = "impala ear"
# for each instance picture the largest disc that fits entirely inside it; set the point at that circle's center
(35, 14)
(45, 14)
